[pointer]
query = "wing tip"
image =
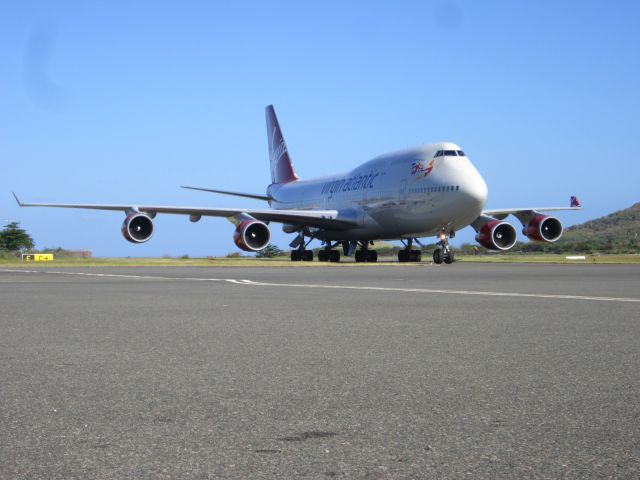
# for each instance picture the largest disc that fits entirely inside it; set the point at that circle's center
(17, 199)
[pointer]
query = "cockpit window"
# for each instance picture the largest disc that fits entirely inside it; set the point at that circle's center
(461, 153)
(450, 153)
(440, 153)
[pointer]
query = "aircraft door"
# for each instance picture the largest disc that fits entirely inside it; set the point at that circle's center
(403, 192)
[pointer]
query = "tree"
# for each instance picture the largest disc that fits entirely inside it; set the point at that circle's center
(13, 238)
(270, 251)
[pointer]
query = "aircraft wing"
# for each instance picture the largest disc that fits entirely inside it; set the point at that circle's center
(505, 212)
(311, 218)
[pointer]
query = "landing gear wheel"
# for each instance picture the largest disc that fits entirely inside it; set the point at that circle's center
(409, 256)
(307, 255)
(334, 256)
(437, 256)
(449, 258)
(361, 256)
(372, 256)
(324, 255)
(296, 255)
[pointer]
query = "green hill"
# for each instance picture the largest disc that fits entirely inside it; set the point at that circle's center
(618, 232)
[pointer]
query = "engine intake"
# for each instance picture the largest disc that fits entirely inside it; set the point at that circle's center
(542, 228)
(252, 235)
(137, 227)
(497, 235)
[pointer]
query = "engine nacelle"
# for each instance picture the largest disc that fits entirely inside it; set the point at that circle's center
(542, 228)
(252, 235)
(497, 235)
(137, 227)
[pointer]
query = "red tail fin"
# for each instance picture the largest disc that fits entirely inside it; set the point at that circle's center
(281, 167)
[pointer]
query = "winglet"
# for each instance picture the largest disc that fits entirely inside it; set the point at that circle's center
(17, 199)
(575, 202)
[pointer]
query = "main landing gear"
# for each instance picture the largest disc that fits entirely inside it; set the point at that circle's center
(360, 251)
(365, 255)
(328, 254)
(300, 253)
(409, 255)
(443, 253)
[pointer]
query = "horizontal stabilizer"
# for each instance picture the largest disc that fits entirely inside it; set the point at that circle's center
(255, 196)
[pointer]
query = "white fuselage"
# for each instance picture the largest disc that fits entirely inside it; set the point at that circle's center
(413, 193)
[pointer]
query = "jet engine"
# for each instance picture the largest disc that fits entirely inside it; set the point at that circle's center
(137, 227)
(496, 235)
(252, 235)
(542, 228)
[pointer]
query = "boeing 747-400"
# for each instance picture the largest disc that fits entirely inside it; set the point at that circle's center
(433, 190)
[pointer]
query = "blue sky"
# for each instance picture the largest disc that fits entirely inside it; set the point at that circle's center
(122, 102)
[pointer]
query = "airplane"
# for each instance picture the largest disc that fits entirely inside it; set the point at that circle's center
(432, 190)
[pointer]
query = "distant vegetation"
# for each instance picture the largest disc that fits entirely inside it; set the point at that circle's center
(15, 239)
(271, 251)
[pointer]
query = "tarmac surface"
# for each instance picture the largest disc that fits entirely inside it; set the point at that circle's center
(461, 371)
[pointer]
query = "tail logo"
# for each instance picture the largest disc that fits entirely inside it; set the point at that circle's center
(281, 167)
(575, 202)
(277, 151)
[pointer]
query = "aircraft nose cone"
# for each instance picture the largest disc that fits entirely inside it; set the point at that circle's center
(477, 192)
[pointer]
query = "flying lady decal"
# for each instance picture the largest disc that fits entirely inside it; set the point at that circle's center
(422, 170)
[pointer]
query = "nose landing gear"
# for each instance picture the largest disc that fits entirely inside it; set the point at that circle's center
(443, 252)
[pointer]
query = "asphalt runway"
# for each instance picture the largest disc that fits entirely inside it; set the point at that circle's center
(461, 371)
